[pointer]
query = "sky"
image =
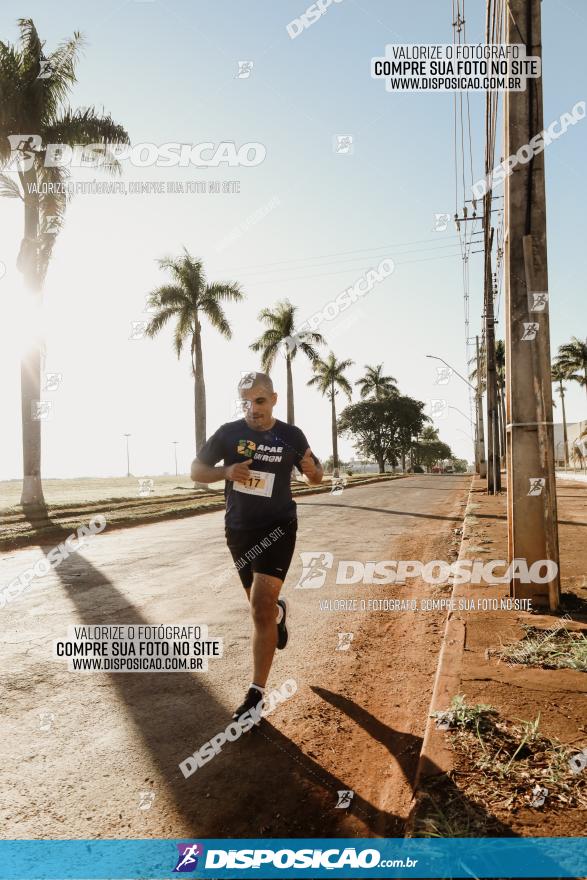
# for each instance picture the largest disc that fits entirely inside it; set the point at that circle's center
(305, 223)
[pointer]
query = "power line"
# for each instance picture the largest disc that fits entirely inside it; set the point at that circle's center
(348, 260)
(392, 247)
(342, 271)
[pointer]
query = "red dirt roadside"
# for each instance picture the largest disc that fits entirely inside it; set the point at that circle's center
(471, 666)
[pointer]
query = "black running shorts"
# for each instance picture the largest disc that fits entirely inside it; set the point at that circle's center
(267, 550)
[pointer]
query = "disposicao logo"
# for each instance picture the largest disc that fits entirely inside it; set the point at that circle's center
(187, 861)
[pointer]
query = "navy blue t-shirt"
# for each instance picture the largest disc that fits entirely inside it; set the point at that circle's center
(266, 498)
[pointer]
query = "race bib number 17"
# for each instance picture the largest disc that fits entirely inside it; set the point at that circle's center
(259, 483)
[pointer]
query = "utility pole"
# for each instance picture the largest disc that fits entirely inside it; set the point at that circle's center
(175, 442)
(493, 466)
(480, 432)
(532, 515)
(493, 435)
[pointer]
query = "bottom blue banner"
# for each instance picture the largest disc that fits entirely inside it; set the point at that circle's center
(293, 857)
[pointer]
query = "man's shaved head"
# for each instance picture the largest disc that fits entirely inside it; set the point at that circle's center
(253, 380)
(258, 399)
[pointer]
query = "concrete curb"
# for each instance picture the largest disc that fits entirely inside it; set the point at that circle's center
(435, 756)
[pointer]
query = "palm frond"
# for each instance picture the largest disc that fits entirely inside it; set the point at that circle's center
(29, 39)
(345, 385)
(271, 338)
(85, 127)
(228, 290)
(159, 321)
(215, 314)
(185, 327)
(9, 188)
(168, 296)
(311, 337)
(329, 373)
(189, 274)
(307, 349)
(268, 357)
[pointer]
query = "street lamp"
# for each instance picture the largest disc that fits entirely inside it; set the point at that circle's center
(127, 455)
(175, 442)
(435, 358)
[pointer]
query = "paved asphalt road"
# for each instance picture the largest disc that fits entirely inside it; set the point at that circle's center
(96, 755)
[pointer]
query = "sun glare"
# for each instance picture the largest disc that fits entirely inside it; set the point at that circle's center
(26, 322)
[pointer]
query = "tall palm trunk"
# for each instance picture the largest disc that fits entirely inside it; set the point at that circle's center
(561, 391)
(290, 394)
(334, 431)
(30, 368)
(199, 388)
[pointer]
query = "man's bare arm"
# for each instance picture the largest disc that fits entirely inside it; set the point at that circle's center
(204, 473)
(318, 475)
(313, 472)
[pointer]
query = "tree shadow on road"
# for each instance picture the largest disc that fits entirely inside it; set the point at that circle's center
(503, 517)
(405, 749)
(383, 510)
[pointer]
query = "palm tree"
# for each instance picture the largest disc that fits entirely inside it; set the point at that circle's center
(187, 299)
(34, 114)
(559, 375)
(281, 329)
(572, 358)
(373, 382)
(328, 376)
(479, 373)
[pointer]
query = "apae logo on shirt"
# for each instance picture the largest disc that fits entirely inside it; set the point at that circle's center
(246, 447)
(269, 453)
(262, 452)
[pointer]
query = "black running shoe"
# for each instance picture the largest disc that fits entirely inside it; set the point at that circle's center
(253, 700)
(282, 635)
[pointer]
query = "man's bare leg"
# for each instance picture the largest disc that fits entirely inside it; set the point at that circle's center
(262, 596)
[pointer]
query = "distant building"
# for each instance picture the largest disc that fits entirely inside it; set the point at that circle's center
(577, 444)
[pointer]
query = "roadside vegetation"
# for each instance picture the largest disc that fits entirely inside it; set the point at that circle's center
(501, 766)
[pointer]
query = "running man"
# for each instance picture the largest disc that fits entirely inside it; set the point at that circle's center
(259, 452)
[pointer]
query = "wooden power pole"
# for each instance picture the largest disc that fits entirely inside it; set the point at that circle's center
(482, 471)
(493, 466)
(493, 438)
(532, 516)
